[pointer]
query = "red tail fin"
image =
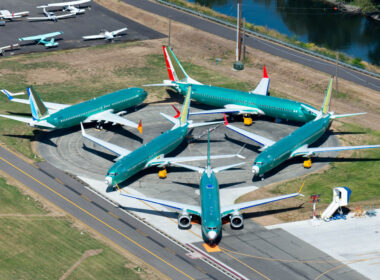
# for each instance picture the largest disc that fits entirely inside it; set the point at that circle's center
(265, 74)
(168, 66)
(177, 111)
(140, 128)
(225, 119)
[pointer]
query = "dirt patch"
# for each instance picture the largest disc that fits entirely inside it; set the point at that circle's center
(47, 76)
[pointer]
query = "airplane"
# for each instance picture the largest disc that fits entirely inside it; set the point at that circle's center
(297, 143)
(211, 212)
(68, 6)
(255, 102)
(104, 34)
(153, 153)
(49, 115)
(7, 15)
(9, 48)
(41, 39)
(51, 16)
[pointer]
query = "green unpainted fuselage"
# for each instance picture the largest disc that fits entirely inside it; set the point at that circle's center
(210, 207)
(115, 101)
(139, 158)
(271, 106)
(282, 150)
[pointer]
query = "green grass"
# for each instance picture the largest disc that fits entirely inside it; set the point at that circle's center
(362, 176)
(45, 247)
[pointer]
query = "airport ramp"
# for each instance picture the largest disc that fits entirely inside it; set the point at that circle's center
(341, 196)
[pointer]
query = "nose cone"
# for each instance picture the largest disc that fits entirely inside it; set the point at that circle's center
(145, 94)
(211, 235)
(108, 181)
(255, 170)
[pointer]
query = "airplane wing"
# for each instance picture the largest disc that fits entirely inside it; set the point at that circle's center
(65, 16)
(201, 170)
(305, 151)
(265, 142)
(225, 210)
(109, 146)
(231, 109)
(161, 160)
(93, 37)
(115, 32)
(36, 19)
(41, 37)
(30, 121)
(63, 4)
(107, 116)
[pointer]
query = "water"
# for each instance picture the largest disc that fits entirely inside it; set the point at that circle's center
(310, 21)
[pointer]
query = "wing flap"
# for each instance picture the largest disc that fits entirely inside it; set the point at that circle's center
(110, 117)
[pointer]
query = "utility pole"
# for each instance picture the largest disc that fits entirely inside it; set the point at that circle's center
(170, 27)
(238, 65)
(243, 55)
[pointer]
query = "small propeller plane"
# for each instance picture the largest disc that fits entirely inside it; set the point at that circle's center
(153, 153)
(68, 6)
(106, 108)
(43, 39)
(9, 48)
(7, 15)
(210, 211)
(51, 16)
(297, 143)
(231, 101)
(106, 35)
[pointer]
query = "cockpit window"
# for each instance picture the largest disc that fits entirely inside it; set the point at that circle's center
(211, 228)
(259, 163)
(112, 174)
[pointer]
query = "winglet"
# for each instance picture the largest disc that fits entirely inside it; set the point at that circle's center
(139, 127)
(7, 93)
(326, 103)
(225, 119)
(185, 108)
(117, 186)
(265, 74)
(301, 187)
(178, 112)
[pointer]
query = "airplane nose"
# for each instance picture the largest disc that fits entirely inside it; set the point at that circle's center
(108, 181)
(211, 235)
(255, 170)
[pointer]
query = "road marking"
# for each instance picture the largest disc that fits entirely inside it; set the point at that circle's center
(141, 232)
(113, 215)
(85, 197)
(170, 251)
(96, 218)
(59, 181)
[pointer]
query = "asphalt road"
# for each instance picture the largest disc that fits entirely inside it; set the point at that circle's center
(95, 18)
(108, 220)
(257, 43)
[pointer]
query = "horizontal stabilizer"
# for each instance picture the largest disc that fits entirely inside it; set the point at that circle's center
(347, 115)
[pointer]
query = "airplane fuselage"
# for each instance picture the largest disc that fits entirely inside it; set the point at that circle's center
(282, 150)
(115, 101)
(271, 106)
(139, 158)
(210, 207)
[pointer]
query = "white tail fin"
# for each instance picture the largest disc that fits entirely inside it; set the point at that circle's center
(37, 106)
(263, 87)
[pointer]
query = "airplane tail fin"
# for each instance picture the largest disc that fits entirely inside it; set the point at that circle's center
(174, 67)
(184, 117)
(326, 103)
(37, 106)
(263, 86)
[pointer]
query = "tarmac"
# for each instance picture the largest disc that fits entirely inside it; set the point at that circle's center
(95, 18)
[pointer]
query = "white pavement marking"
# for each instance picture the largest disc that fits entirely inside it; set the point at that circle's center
(355, 241)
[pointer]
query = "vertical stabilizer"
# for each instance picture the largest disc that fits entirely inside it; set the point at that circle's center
(263, 87)
(37, 106)
(185, 108)
(326, 103)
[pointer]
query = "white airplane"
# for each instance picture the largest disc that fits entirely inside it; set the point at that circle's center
(43, 39)
(5, 14)
(104, 34)
(51, 16)
(8, 48)
(68, 6)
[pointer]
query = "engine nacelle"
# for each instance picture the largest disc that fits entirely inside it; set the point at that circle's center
(184, 220)
(236, 221)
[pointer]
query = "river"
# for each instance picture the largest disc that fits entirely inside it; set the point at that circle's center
(310, 21)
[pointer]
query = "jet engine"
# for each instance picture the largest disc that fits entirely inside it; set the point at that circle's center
(184, 220)
(236, 221)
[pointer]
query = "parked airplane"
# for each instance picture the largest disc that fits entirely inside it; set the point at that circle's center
(296, 144)
(104, 34)
(51, 16)
(7, 15)
(255, 102)
(54, 116)
(210, 212)
(42, 39)
(68, 6)
(153, 153)
(9, 48)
